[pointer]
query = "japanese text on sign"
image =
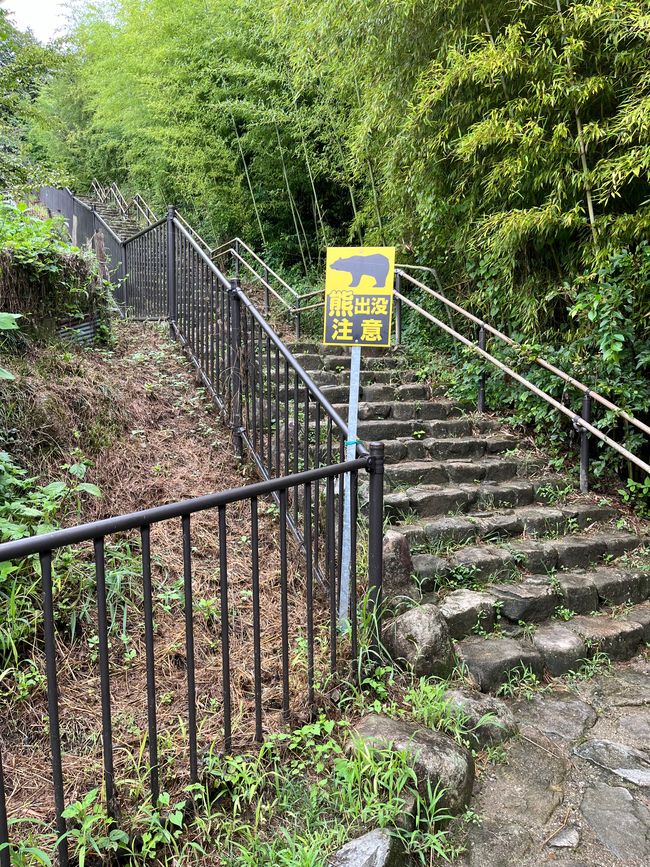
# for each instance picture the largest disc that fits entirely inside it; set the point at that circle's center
(359, 296)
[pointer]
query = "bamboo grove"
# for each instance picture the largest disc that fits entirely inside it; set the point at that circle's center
(506, 143)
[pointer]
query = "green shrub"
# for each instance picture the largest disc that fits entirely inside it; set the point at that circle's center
(42, 276)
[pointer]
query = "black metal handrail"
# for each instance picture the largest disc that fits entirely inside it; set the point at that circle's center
(302, 487)
(580, 422)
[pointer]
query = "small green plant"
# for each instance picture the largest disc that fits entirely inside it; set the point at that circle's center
(92, 832)
(637, 495)
(8, 322)
(521, 682)
(419, 434)
(598, 663)
(564, 613)
(528, 630)
(496, 755)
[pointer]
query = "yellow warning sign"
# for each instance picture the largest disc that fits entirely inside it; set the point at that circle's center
(359, 296)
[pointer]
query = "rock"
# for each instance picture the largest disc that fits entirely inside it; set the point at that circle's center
(482, 562)
(437, 759)
(619, 759)
(489, 661)
(578, 592)
(419, 639)
(561, 648)
(498, 843)
(635, 728)
(620, 822)
(498, 526)
(566, 838)
(465, 609)
(578, 552)
(617, 638)
(429, 570)
(398, 565)
(539, 557)
(615, 586)
(376, 849)
(529, 601)
(641, 614)
(460, 530)
(558, 719)
(490, 721)
(541, 520)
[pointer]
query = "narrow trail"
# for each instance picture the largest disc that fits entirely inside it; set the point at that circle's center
(169, 446)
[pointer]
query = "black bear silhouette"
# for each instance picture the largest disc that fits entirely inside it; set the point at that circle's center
(373, 265)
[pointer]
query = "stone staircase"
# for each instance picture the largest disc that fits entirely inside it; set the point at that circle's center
(486, 545)
(124, 227)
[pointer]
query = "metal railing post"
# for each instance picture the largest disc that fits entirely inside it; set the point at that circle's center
(125, 289)
(171, 268)
(267, 298)
(375, 542)
(584, 444)
(481, 377)
(236, 379)
(237, 259)
(297, 313)
(398, 309)
(5, 855)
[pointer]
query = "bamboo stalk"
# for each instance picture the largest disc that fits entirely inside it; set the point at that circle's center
(371, 175)
(581, 141)
(248, 177)
(292, 204)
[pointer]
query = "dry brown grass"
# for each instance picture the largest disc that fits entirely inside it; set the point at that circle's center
(166, 444)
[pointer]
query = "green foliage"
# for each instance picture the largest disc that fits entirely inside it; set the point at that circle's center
(24, 66)
(28, 508)
(42, 276)
(507, 146)
(320, 791)
(92, 832)
(8, 322)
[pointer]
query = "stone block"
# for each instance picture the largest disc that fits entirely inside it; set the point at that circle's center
(465, 609)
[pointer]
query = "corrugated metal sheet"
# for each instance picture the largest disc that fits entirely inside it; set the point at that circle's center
(79, 332)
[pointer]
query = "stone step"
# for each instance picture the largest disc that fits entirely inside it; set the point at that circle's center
(531, 521)
(479, 565)
(420, 430)
(399, 410)
(379, 393)
(368, 377)
(410, 473)
(554, 648)
(448, 445)
(439, 500)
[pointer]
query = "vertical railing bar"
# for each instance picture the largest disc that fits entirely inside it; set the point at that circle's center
(5, 852)
(102, 632)
(317, 491)
(353, 613)
(257, 650)
(375, 542)
(189, 648)
(53, 704)
(584, 444)
(145, 537)
(253, 382)
(269, 404)
(309, 593)
(225, 634)
(284, 604)
(331, 569)
(277, 411)
(296, 444)
(286, 418)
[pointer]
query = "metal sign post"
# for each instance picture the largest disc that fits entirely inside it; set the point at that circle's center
(358, 312)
